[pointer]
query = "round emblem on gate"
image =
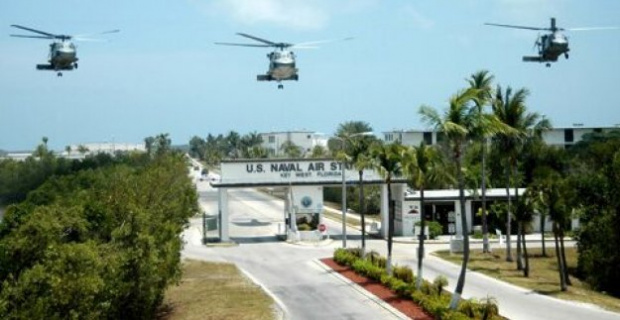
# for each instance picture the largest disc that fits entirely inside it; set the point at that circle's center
(306, 201)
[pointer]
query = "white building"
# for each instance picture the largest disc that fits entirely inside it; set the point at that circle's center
(306, 140)
(562, 136)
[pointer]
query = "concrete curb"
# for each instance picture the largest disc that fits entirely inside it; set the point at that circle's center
(361, 290)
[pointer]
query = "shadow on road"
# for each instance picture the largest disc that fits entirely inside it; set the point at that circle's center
(258, 239)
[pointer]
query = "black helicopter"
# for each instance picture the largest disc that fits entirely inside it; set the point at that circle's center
(63, 54)
(282, 60)
(550, 46)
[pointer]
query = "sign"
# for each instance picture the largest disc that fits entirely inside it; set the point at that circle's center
(322, 227)
(291, 171)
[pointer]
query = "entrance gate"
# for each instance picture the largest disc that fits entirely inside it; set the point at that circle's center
(297, 175)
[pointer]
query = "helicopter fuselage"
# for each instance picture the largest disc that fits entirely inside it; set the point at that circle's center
(552, 46)
(63, 56)
(281, 66)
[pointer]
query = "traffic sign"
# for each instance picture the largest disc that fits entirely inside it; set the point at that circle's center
(322, 227)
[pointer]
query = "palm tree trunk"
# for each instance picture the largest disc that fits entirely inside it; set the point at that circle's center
(526, 269)
(559, 258)
(390, 228)
(418, 284)
(485, 227)
(458, 291)
(362, 214)
(519, 223)
(563, 252)
(508, 217)
(519, 255)
(542, 234)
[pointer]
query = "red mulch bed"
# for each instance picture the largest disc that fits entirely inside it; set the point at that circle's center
(406, 306)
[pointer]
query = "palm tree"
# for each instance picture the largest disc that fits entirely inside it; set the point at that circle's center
(361, 161)
(387, 160)
(358, 133)
(291, 150)
(422, 166)
(455, 125)
(512, 112)
(524, 217)
(482, 81)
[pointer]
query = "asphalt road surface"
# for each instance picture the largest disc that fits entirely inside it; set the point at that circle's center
(292, 274)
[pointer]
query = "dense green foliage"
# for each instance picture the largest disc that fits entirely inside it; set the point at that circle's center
(98, 239)
(213, 149)
(430, 296)
(594, 181)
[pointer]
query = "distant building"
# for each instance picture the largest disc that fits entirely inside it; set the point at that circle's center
(562, 136)
(81, 150)
(305, 140)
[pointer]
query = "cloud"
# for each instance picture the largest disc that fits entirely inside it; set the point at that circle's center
(299, 14)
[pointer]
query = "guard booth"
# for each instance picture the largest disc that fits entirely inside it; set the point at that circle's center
(304, 180)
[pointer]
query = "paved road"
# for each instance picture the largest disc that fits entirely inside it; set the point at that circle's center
(291, 272)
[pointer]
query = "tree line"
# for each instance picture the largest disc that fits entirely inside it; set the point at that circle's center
(488, 138)
(97, 238)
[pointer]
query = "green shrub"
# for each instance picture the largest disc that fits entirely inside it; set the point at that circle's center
(470, 308)
(366, 268)
(344, 257)
(439, 283)
(434, 229)
(403, 273)
(376, 259)
(489, 308)
(454, 315)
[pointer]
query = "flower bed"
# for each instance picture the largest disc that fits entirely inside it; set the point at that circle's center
(430, 297)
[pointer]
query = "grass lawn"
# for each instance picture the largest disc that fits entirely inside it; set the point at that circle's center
(544, 276)
(215, 291)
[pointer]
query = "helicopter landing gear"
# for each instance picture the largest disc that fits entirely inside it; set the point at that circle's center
(280, 86)
(59, 74)
(75, 65)
(548, 64)
(566, 55)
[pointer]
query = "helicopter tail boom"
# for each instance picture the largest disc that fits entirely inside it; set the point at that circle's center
(54, 68)
(532, 59)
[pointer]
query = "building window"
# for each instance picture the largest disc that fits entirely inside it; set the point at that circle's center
(598, 130)
(272, 139)
(568, 135)
(440, 137)
(309, 136)
(389, 137)
(428, 138)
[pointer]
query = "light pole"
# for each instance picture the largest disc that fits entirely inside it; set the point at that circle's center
(343, 141)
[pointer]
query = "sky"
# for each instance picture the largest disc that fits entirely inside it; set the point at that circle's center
(163, 73)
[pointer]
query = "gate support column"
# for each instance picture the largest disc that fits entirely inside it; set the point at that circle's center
(223, 214)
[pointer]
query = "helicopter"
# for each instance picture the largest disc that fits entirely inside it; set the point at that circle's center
(63, 53)
(550, 46)
(282, 60)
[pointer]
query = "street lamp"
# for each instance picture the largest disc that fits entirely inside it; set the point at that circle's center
(343, 141)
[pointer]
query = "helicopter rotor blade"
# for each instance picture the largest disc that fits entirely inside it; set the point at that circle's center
(243, 44)
(32, 37)
(270, 43)
(89, 39)
(88, 35)
(51, 35)
(516, 27)
(592, 29)
(311, 44)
